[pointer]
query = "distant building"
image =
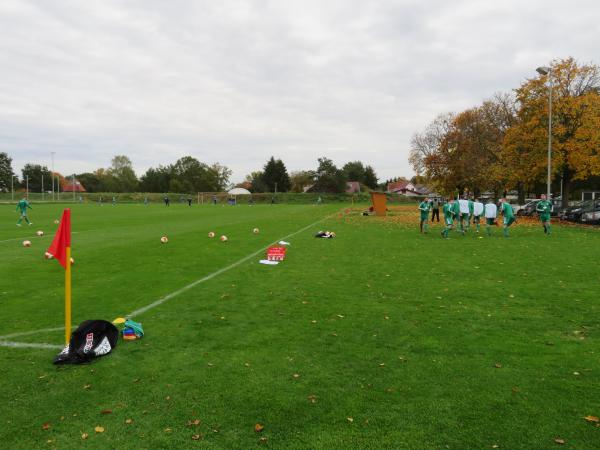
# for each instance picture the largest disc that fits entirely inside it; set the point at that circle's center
(409, 189)
(352, 187)
(77, 187)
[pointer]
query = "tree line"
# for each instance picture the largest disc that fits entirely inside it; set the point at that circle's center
(501, 144)
(188, 175)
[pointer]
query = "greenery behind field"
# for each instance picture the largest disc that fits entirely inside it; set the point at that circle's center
(204, 198)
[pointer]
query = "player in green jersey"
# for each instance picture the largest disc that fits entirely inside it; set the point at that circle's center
(22, 208)
(449, 213)
(424, 207)
(544, 208)
(508, 214)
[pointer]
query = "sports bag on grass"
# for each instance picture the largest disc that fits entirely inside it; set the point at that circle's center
(91, 339)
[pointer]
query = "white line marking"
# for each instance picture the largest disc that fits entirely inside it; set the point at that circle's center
(29, 345)
(168, 297)
(152, 305)
(29, 333)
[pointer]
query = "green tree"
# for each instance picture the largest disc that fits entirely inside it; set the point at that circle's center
(6, 172)
(218, 177)
(275, 176)
(354, 171)
(121, 170)
(301, 179)
(90, 181)
(156, 180)
(329, 178)
(35, 173)
(190, 175)
(256, 182)
(370, 179)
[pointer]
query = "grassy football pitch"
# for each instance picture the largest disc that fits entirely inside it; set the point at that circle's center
(379, 338)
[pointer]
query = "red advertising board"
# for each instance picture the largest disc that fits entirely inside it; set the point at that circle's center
(276, 253)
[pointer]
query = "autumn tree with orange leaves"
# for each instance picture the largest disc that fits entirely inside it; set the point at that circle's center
(502, 143)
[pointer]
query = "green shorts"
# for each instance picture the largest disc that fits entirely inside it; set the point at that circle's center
(490, 221)
(424, 217)
(544, 218)
(508, 221)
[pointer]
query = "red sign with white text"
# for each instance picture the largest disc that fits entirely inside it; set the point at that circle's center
(276, 253)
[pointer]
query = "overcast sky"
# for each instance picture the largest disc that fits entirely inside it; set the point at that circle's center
(239, 81)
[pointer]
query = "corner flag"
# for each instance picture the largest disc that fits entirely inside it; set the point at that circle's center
(61, 250)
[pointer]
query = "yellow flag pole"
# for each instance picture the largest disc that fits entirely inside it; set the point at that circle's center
(68, 297)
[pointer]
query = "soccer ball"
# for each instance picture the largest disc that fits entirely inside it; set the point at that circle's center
(26, 243)
(72, 261)
(223, 238)
(211, 235)
(40, 233)
(256, 231)
(48, 255)
(164, 239)
(56, 221)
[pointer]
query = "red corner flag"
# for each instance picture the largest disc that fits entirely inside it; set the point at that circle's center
(62, 239)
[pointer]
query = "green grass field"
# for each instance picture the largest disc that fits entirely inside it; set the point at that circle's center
(380, 338)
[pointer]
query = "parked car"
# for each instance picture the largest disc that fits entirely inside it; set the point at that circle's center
(575, 212)
(528, 209)
(591, 215)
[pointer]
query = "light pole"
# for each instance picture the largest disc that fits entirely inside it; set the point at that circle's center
(52, 156)
(548, 71)
(12, 187)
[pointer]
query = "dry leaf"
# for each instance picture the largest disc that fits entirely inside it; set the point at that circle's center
(84, 436)
(99, 429)
(106, 411)
(259, 427)
(168, 430)
(296, 375)
(262, 440)
(313, 321)
(312, 398)
(87, 386)
(592, 419)
(193, 422)
(559, 441)
(498, 365)
(168, 397)
(350, 419)
(381, 364)
(196, 437)
(128, 421)
(46, 426)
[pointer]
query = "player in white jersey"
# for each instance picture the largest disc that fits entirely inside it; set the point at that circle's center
(491, 213)
(477, 212)
(463, 204)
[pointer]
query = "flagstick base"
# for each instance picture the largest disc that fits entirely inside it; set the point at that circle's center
(68, 297)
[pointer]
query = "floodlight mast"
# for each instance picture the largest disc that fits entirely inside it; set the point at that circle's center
(544, 70)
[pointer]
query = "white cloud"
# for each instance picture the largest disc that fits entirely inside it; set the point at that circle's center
(239, 81)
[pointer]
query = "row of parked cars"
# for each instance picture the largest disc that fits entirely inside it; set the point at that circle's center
(587, 211)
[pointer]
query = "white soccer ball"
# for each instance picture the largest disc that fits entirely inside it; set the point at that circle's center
(48, 255)
(56, 221)
(72, 261)
(164, 239)
(223, 238)
(211, 234)
(39, 233)
(256, 231)
(26, 243)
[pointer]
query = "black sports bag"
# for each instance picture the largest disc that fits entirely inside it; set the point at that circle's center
(91, 339)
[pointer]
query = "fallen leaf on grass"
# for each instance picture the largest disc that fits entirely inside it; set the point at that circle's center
(498, 366)
(84, 436)
(42, 376)
(106, 411)
(592, 419)
(313, 321)
(193, 422)
(99, 429)
(312, 398)
(296, 375)
(259, 427)
(559, 441)
(87, 386)
(262, 440)
(350, 419)
(168, 430)
(46, 426)
(381, 364)
(128, 421)
(196, 437)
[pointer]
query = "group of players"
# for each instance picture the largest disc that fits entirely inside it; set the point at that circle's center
(464, 211)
